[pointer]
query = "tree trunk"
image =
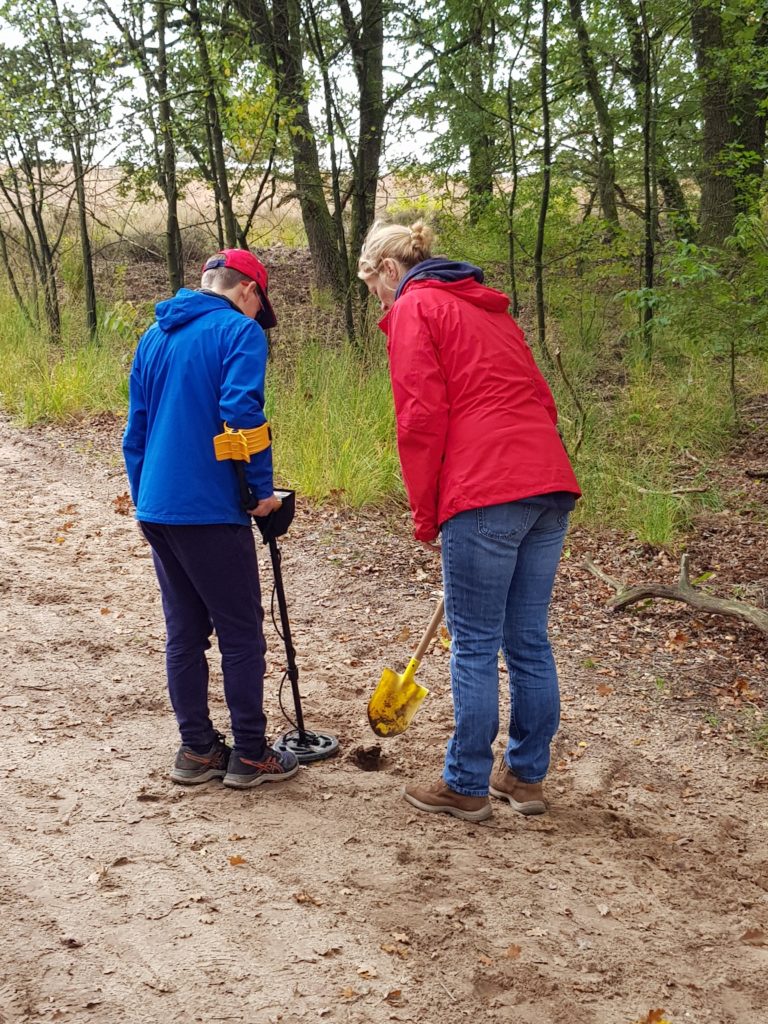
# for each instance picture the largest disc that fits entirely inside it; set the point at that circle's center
(62, 63)
(155, 80)
(338, 207)
(89, 281)
(649, 189)
(5, 257)
(41, 248)
(213, 127)
(717, 211)
(606, 167)
(480, 139)
(174, 250)
(668, 182)
(538, 256)
(367, 46)
(512, 261)
(279, 36)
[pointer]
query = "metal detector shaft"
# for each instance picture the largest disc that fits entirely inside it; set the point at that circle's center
(292, 669)
(306, 746)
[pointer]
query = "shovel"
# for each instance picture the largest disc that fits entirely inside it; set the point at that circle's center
(397, 698)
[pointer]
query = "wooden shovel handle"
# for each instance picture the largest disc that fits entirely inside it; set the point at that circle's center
(430, 631)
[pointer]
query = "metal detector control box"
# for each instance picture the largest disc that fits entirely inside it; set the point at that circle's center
(276, 523)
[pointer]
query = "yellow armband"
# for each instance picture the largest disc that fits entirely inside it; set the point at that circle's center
(241, 444)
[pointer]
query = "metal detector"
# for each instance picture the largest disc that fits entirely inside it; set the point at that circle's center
(308, 746)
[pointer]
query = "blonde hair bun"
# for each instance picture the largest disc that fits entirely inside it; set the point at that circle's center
(421, 240)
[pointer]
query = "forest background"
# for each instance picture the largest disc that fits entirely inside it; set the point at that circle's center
(604, 163)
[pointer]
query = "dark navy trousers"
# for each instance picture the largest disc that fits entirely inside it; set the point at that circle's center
(209, 580)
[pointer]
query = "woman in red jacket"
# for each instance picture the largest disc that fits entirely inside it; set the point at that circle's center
(485, 468)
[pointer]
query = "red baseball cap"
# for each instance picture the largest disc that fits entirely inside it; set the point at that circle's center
(246, 263)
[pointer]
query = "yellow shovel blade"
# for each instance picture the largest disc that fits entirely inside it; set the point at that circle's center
(395, 701)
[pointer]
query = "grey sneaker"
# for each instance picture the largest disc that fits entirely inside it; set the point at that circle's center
(192, 769)
(274, 766)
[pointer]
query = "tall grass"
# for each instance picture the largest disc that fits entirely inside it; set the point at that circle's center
(41, 382)
(334, 426)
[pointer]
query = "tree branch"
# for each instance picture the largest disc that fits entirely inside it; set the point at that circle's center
(685, 592)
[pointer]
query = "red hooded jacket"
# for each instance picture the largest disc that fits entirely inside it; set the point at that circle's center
(476, 421)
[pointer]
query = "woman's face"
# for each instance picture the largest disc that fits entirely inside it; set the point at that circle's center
(383, 284)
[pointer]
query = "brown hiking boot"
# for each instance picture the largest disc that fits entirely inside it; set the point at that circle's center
(524, 797)
(439, 798)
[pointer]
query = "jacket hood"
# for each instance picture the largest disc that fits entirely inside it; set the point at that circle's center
(187, 305)
(438, 268)
(460, 279)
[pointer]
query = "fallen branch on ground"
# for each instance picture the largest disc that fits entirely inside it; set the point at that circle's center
(674, 490)
(684, 591)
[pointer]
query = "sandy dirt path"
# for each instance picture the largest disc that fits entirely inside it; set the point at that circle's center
(127, 899)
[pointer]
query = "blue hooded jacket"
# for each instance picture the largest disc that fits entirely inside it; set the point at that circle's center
(201, 363)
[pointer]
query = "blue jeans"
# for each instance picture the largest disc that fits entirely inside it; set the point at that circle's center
(499, 566)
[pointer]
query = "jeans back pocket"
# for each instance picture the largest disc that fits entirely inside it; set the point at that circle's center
(503, 521)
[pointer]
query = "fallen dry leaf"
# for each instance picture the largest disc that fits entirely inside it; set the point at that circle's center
(395, 950)
(513, 952)
(122, 504)
(653, 1017)
(236, 860)
(755, 937)
(304, 897)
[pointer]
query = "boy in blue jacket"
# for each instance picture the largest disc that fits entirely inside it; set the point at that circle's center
(199, 367)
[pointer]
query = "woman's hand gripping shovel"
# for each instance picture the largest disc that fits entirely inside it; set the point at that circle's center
(397, 698)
